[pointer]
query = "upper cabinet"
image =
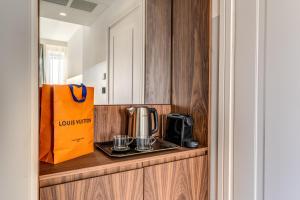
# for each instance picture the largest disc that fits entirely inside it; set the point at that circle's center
(121, 48)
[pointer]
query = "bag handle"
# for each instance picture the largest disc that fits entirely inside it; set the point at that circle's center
(84, 92)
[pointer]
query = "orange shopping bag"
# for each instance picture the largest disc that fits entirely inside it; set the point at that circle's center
(66, 122)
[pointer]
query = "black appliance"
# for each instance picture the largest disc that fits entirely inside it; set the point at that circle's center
(180, 130)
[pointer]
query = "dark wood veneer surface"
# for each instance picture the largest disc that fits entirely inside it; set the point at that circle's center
(98, 164)
(112, 120)
(121, 186)
(183, 179)
(158, 51)
(190, 72)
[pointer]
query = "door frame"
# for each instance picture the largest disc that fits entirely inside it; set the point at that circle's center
(34, 101)
(225, 100)
(234, 33)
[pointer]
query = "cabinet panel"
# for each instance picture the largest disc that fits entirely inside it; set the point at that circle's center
(181, 180)
(158, 51)
(190, 66)
(121, 186)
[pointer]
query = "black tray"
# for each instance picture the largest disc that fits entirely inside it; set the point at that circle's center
(159, 145)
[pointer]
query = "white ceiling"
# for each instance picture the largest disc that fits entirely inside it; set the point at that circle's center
(57, 30)
(52, 10)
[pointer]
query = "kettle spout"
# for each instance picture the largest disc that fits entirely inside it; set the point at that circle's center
(131, 110)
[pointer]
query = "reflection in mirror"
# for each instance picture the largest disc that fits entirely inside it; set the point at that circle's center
(96, 42)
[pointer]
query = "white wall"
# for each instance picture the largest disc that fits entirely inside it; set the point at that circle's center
(95, 47)
(88, 49)
(75, 54)
(96, 36)
(94, 76)
(18, 102)
(53, 42)
(282, 109)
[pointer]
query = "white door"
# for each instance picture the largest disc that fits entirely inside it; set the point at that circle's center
(259, 100)
(126, 67)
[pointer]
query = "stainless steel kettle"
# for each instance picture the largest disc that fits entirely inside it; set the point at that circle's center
(140, 121)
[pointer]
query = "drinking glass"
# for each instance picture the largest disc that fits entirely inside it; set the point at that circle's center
(144, 143)
(122, 142)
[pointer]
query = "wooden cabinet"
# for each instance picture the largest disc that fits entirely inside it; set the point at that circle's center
(173, 179)
(120, 186)
(180, 180)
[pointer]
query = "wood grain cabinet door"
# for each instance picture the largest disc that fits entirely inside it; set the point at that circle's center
(181, 180)
(120, 186)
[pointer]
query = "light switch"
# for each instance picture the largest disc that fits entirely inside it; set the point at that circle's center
(103, 90)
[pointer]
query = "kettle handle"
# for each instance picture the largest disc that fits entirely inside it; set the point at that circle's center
(155, 115)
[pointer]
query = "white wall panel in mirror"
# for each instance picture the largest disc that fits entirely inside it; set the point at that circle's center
(126, 68)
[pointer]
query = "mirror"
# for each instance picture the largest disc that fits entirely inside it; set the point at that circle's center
(100, 43)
